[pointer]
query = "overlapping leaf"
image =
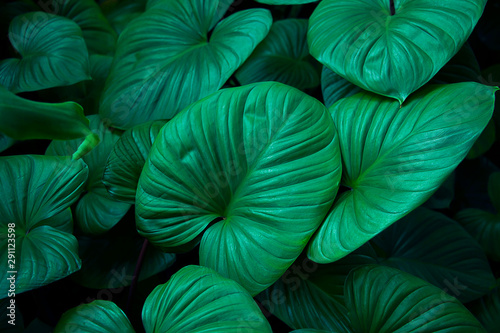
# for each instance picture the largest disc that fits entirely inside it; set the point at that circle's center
(96, 211)
(36, 192)
(166, 60)
(390, 51)
(487, 310)
(261, 161)
(283, 57)
(395, 157)
(120, 14)
(53, 53)
(334, 87)
(127, 159)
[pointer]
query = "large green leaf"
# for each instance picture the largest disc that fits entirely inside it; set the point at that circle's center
(335, 87)
(258, 165)
(437, 249)
(166, 60)
(391, 55)
(197, 299)
(487, 310)
(125, 163)
(99, 36)
(385, 300)
(284, 57)
(96, 317)
(53, 53)
(36, 192)
(484, 225)
(96, 211)
(395, 157)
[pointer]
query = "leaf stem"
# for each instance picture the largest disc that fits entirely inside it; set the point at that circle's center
(137, 272)
(393, 8)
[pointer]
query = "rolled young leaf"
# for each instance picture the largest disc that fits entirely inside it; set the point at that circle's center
(166, 60)
(37, 191)
(127, 159)
(258, 165)
(283, 56)
(395, 157)
(390, 51)
(53, 53)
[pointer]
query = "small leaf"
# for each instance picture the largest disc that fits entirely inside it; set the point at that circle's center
(96, 317)
(197, 299)
(335, 87)
(283, 57)
(127, 159)
(53, 53)
(391, 54)
(395, 157)
(165, 59)
(37, 192)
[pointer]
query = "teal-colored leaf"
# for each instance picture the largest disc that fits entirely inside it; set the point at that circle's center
(283, 57)
(37, 192)
(258, 165)
(442, 198)
(96, 317)
(99, 36)
(197, 299)
(107, 263)
(395, 157)
(385, 300)
(96, 211)
(335, 87)
(390, 53)
(438, 250)
(121, 13)
(52, 50)
(484, 226)
(487, 310)
(127, 159)
(166, 60)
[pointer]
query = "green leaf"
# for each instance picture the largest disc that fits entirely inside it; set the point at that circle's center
(285, 2)
(22, 119)
(5, 142)
(335, 87)
(385, 300)
(120, 14)
(391, 55)
(127, 159)
(283, 56)
(53, 53)
(258, 165)
(487, 310)
(107, 263)
(395, 157)
(96, 317)
(463, 67)
(37, 190)
(438, 250)
(97, 32)
(165, 59)
(197, 299)
(96, 211)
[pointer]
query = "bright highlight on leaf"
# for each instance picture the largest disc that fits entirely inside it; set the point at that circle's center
(260, 169)
(391, 55)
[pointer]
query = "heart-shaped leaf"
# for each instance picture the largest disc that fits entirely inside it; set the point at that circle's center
(284, 57)
(335, 87)
(125, 163)
(395, 157)
(438, 250)
(386, 300)
(96, 211)
(261, 161)
(166, 60)
(484, 226)
(97, 32)
(53, 53)
(37, 192)
(390, 50)
(195, 299)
